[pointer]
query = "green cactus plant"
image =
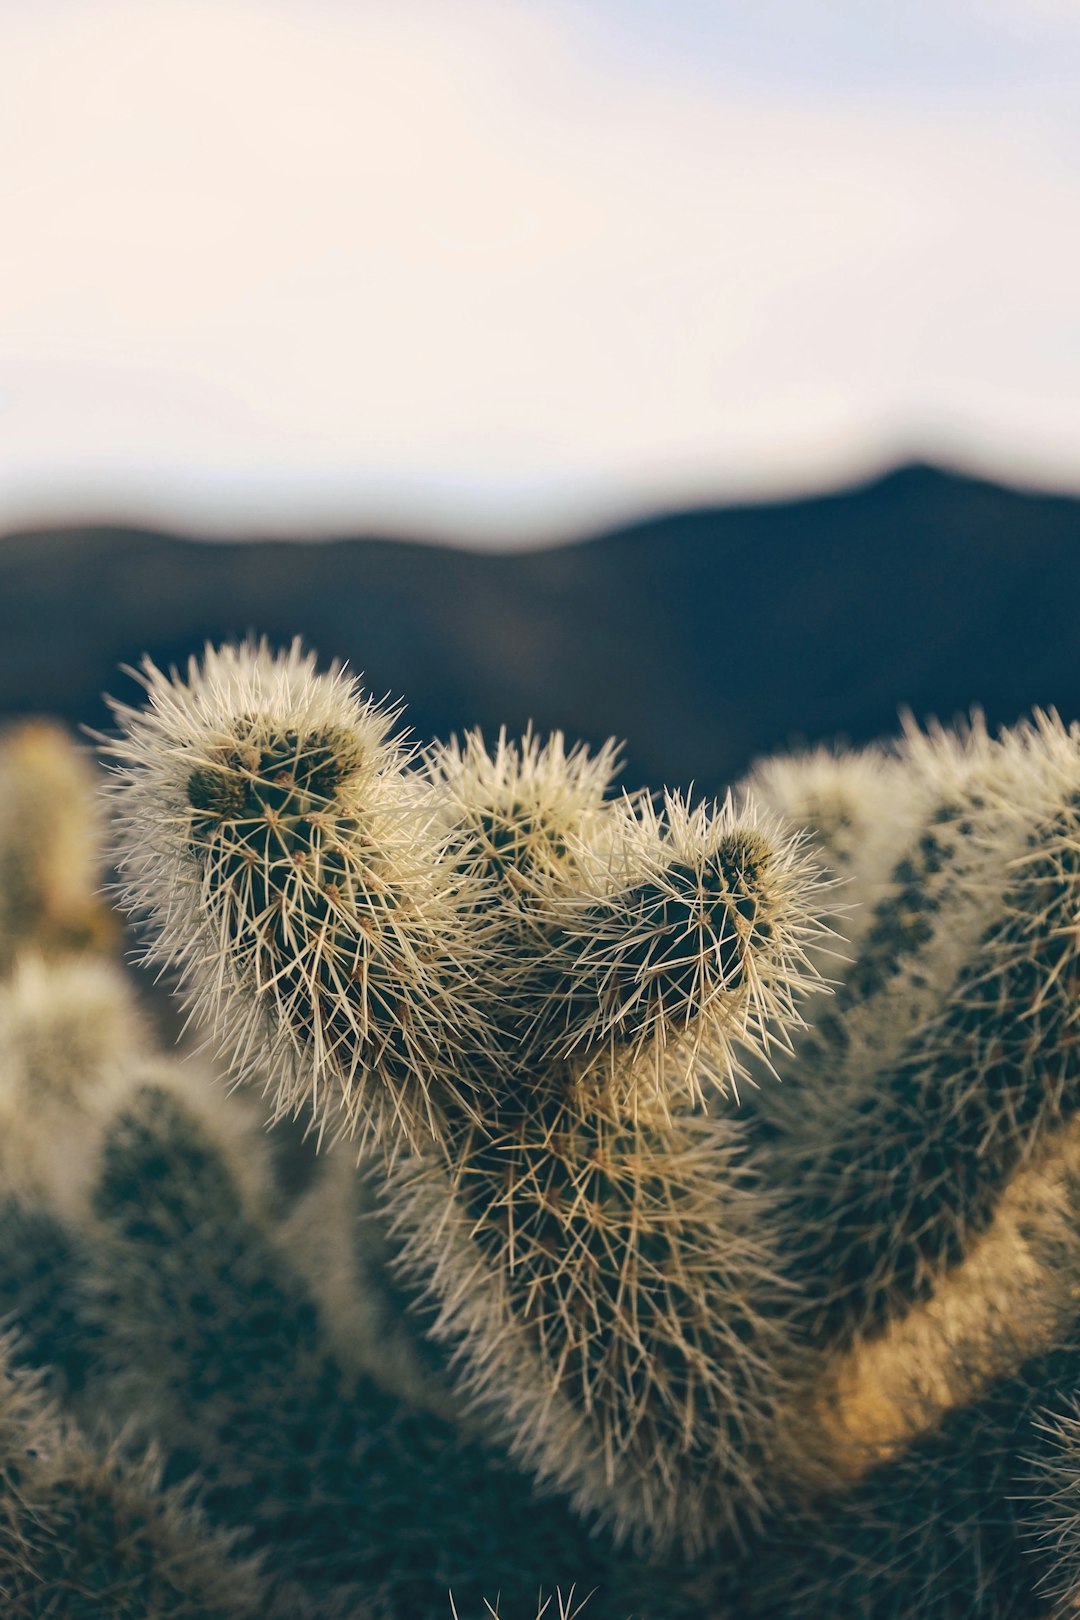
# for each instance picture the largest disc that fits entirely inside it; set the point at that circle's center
(581, 1293)
(69, 1028)
(582, 1237)
(215, 1348)
(949, 1054)
(172, 1311)
(965, 1505)
(68, 1031)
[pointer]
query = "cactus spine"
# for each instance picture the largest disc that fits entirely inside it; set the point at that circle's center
(295, 875)
(1053, 1502)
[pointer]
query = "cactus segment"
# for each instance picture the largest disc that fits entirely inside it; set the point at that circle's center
(538, 1002)
(294, 874)
(346, 1493)
(686, 944)
(50, 837)
(613, 1301)
(68, 1030)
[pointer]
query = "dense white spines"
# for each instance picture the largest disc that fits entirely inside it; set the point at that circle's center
(950, 1056)
(560, 983)
(688, 938)
(850, 801)
(613, 1295)
(519, 821)
(295, 875)
(528, 986)
(648, 943)
(365, 933)
(515, 811)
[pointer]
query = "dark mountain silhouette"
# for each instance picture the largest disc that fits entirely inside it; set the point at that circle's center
(703, 638)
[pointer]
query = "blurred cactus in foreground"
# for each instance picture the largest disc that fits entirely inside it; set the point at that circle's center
(85, 1532)
(697, 1226)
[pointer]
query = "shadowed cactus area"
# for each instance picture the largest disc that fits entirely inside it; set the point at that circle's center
(570, 1201)
(87, 1531)
(344, 1492)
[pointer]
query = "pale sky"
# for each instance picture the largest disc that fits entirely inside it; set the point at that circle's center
(508, 269)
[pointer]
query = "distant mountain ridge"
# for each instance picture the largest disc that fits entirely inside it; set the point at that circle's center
(702, 638)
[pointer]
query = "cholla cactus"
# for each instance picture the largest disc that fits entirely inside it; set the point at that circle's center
(687, 939)
(478, 961)
(646, 947)
(950, 1054)
(1014, 1295)
(86, 1533)
(820, 1329)
(1053, 1507)
(945, 1487)
(935, 1532)
(49, 828)
(73, 1049)
(513, 813)
(68, 1030)
(297, 877)
(951, 1524)
(860, 808)
(215, 1348)
(614, 1298)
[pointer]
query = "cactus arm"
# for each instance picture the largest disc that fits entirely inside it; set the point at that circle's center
(293, 872)
(923, 1147)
